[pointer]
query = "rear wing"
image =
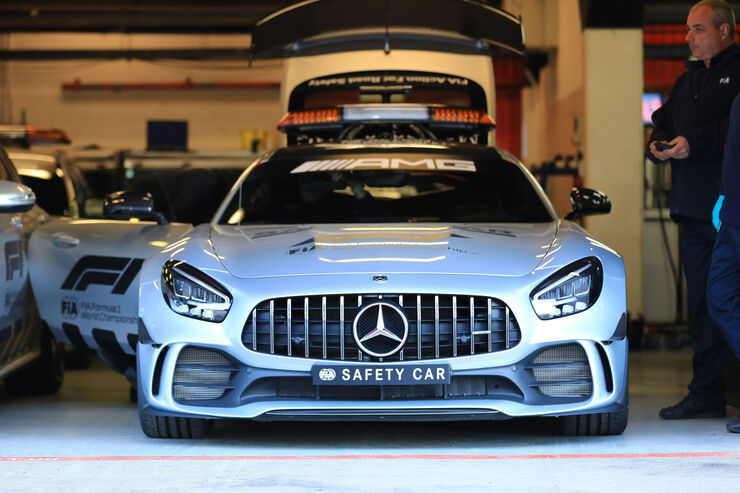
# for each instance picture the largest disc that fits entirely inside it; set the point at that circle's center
(281, 31)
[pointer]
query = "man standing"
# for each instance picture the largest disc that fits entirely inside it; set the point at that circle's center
(690, 132)
(723, 289)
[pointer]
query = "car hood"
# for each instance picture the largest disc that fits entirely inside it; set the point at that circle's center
(491, 249)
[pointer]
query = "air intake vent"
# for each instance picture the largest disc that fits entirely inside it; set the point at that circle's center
(562, 371)
(201, 374)
(439, 326)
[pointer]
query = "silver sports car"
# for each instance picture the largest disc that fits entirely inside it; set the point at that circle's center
(384, 278)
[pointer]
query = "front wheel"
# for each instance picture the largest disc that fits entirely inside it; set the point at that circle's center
(155, 426)
(598, 424)
(45, 374)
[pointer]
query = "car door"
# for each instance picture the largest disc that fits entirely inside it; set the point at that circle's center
(85, 276)
(18, 337)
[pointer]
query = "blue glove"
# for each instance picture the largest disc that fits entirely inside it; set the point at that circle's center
(715, 212)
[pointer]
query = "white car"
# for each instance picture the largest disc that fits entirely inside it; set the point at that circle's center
(384, 276)
(85, 265)
(31, 361)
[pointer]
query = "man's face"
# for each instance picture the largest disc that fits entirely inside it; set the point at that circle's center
(704, 39)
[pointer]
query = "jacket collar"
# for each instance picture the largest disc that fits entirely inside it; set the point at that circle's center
(718, 59)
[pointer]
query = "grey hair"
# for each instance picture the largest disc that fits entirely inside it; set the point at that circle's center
(722, 13)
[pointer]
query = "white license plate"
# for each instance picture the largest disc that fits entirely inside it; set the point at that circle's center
(381, 374)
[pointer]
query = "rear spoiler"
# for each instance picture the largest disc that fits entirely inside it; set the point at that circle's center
(274, 34)
(27, 135)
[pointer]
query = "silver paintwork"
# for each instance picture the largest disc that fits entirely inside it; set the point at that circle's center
(254, 267)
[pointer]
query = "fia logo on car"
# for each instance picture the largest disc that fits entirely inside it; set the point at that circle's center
(327, 374)
(69, 308)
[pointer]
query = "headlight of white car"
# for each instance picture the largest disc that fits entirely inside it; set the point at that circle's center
(570, 290)
(192, 293)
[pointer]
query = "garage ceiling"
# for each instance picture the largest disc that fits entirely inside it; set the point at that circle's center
(136, 16)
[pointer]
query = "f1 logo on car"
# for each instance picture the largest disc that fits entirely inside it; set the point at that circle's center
(118, 272)
(13, 259)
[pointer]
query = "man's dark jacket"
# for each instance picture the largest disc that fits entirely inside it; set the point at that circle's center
(730, 213)
(699, 110)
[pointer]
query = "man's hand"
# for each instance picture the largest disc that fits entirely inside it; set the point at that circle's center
(660, 155)
(680, 149)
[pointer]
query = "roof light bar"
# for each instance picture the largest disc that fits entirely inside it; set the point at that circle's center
(358, 113)
(370, 112)
(51, 135)
(28, 134)
(461, 115)
(309, 117)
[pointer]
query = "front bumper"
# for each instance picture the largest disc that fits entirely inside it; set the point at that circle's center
(485, 386)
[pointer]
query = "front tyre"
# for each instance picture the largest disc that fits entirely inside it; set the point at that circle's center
(155, 426)
(598, 424)
(45, 374)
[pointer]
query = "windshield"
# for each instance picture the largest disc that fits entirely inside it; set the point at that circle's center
(49, 189)
(186, 195)
(41, 173)
(378, 188)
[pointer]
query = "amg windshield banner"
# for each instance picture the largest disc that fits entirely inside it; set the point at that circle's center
(391, 163)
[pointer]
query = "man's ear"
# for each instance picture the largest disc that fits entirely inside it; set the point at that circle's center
(724, 29)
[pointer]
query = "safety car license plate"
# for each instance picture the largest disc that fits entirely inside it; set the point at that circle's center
(380, 374)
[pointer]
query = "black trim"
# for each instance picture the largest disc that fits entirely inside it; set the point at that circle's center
(620, 332)
(133, 339)
(608, 378)
(144, 336)
(106, 339)
(158, 370)
(73, 334)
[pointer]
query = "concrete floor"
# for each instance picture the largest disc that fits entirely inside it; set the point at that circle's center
(87, 438)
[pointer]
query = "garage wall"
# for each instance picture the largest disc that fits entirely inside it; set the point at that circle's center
(117, 118)
(588, 99)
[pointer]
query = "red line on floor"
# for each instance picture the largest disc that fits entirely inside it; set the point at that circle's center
(675, 455)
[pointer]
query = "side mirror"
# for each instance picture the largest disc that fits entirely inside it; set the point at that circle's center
(586, 201)
(125, 205)
(15, 197)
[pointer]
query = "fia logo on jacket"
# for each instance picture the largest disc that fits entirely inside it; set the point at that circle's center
(724, 80)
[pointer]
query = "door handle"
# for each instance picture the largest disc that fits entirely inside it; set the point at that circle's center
(63, 240)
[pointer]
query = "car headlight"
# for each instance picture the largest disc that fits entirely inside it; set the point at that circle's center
(192, 293)
(570, 290)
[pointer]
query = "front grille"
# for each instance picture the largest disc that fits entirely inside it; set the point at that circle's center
(562, 371)
(201, 374)
(439, 326)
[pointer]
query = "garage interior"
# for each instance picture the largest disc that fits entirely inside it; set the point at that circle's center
(574, 110)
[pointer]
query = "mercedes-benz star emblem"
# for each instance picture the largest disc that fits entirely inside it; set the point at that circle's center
(380, 279)
(380, 329)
